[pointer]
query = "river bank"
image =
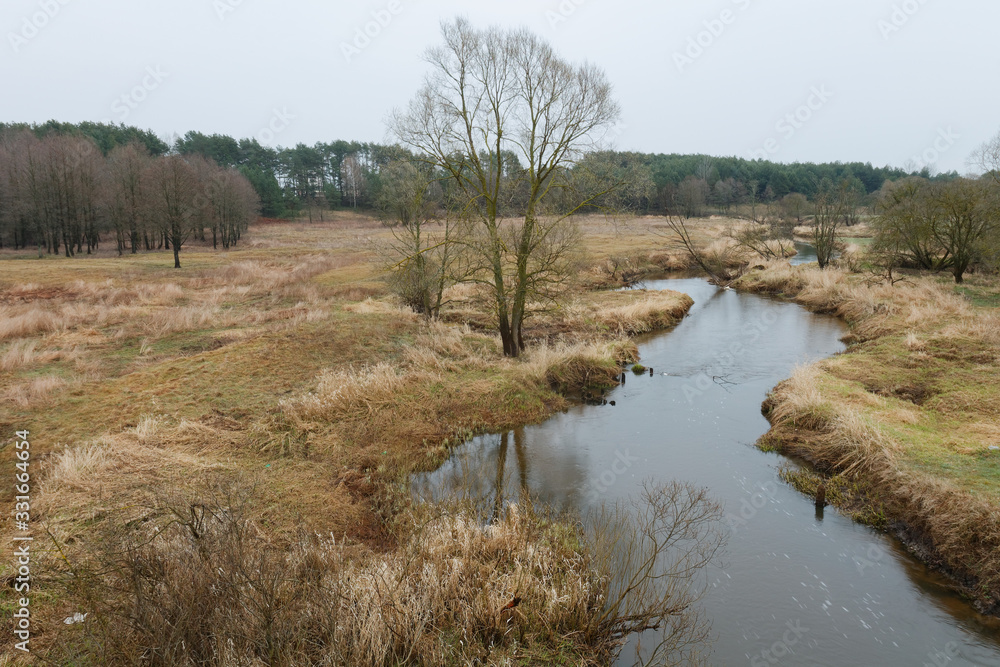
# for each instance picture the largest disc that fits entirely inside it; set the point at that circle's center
(906, 419)
(259, 412)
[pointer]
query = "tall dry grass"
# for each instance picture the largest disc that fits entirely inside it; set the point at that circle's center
(654, 311)
(34, 391)
(873, 311)
(465, 586)
(912, 322)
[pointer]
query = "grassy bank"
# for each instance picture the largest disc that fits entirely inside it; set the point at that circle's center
(273, 400)
(906, 423)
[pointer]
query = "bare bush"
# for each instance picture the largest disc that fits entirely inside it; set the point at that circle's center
(196, 582)
(650, 552)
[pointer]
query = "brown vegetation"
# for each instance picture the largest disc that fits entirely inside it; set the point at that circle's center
(284, 363)
(908, 415)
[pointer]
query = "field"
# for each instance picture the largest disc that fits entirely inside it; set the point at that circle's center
(280, 377)
(270, 402)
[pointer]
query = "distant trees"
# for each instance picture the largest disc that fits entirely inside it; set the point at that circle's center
(938, 226)
(795, 206)
(831, 210)
(346, 173)
(123, 187)
(987, 158)
(59, 192)
(505, 120)
(692, 195)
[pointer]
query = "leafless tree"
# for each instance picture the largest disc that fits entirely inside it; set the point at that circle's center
(353, 179)
(427, 239)
(123, 195)
(652, 551)
(231, 204)
(904, 225)
(795, 205)
(723, 267)
(938, 226)
(830, 208)
(969, 212)
(498, 93)
(171, 187)
(987, 158)
(692, 195)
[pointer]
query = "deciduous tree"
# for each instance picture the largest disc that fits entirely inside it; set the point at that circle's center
(493, 93)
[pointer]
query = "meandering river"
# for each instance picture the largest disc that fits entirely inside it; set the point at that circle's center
(852, 594)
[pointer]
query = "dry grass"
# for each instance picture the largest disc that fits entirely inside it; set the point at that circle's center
(648, 311)
(20, 353)
(281, 357)
(351, 393)
(32, 392)
(908, 413)
(466, 584)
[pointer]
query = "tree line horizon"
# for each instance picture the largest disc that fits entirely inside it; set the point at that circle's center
(348, 174)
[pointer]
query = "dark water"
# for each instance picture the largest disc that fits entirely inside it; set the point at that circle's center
(852, 594)
(806, 255)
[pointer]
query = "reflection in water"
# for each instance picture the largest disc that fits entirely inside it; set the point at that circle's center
(499, 495)
(863, 600)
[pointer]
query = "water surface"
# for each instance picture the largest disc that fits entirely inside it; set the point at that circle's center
(855, 595)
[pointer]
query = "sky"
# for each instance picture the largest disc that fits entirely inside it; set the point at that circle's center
(906, 83)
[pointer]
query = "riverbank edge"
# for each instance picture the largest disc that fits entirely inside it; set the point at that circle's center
(882, 489)
(517, 392)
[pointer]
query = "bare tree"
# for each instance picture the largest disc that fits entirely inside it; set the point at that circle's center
(171, 186)
(795, 205)
(938, 226)
(987, 158)
(831, 206)
(651, 551)
(905, 225)
(692, 195)
(426, 238)
(723, 267)
(495, 93)
(231, 204)
(352, 175)
(123, 194)
(969, 214)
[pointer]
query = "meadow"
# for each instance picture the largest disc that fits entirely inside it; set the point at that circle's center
(273, 399)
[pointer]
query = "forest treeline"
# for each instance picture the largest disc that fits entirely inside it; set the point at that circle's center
(349, 174)
(70, 190)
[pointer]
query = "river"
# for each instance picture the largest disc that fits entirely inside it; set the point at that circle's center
(854, 596)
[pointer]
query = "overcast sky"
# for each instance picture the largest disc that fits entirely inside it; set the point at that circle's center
(888, 81)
